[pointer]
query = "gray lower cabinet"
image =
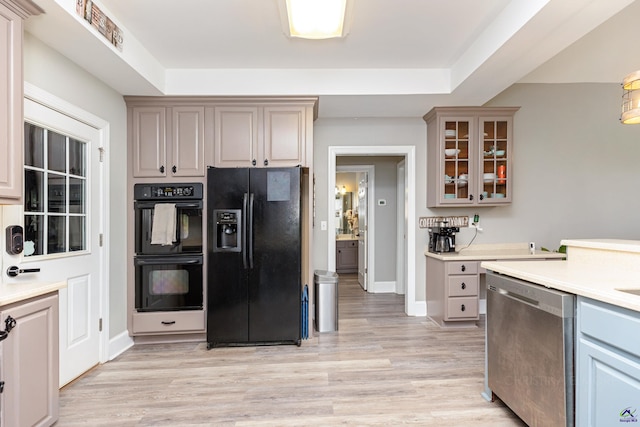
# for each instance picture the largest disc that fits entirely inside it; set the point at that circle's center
(607, 364)
(346, 256)
(29, 365)
(452, 292)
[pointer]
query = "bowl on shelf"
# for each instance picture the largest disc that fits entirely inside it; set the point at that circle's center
(450, 152)
(448, 179)
(449, 196)
(489, 177)
(499, 153)
(450, 133)
(462, 179)
(497, 195)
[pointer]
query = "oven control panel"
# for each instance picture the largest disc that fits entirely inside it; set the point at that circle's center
(165, 192)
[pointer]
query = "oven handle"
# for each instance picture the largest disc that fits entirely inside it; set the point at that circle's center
(244, 234)
(167, 260)
(150, 205)
(250, 249)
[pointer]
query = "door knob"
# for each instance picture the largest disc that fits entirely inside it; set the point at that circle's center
(13, 271)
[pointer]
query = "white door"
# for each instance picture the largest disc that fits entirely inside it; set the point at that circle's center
(62, 223)
(362, 229)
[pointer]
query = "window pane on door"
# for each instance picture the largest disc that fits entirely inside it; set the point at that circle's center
(77, 158)
(55, 192)
(34, 145)
(33, 239)
(33, 191)
(57, 234)
(76, 195)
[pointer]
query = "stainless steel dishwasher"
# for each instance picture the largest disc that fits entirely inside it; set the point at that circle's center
(530, 343)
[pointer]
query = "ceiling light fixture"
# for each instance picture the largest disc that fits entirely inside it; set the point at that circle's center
(631, 99)
(316, 19)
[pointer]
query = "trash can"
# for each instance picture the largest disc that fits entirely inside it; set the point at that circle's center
(326, 300)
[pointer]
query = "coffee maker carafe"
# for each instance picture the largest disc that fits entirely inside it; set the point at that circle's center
(442, 238)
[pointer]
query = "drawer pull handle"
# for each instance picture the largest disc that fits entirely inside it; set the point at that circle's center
(171, 322)
(463, 286)
(462, 307)
(463, 268)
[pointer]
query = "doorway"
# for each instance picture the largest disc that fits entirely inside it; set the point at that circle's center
(408, 152)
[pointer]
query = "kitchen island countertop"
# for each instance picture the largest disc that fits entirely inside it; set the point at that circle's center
(602, 281)
(16, 292)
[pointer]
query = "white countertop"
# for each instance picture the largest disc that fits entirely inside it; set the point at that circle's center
(605, 244)
(592, 281)
(16, 292)
(499, 251)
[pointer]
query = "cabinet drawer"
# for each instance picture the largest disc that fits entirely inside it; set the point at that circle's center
(462, 308)
(347, 244)
(461, 286)
(168, 321)
(462, 267)
(609, 324)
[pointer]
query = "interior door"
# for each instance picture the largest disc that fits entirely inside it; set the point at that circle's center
(363, 257)
(62, 221)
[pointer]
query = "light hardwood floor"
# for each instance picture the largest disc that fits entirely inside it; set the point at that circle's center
(381, 368)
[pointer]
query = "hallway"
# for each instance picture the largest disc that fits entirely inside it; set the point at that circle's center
(381, 368)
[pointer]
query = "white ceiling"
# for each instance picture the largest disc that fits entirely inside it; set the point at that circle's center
(401, 57)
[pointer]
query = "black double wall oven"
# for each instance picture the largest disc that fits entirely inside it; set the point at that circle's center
(168, 247)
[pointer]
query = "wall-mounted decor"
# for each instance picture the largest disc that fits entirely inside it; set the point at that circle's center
(88, 10)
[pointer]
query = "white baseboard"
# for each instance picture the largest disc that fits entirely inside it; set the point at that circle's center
(119, 344)
(383, 287)
(419, 309)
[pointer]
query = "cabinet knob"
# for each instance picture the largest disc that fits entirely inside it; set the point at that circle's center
(174, 169)
(253, 162)
(481, 196)
(161, 169)
(470, 196)
(266, 162)
(463, 268)
(463, 286)
(462, 307)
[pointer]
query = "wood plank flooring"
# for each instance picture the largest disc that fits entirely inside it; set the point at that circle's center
(381, 368)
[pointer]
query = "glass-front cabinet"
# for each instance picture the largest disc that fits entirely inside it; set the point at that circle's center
(469, 152)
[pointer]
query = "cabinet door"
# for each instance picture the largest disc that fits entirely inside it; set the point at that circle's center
(495, 136)
(148, 128)
(30, 364)
(236, 136)
(457, 143)
(10, 107)
(188, 141)
(284, 136)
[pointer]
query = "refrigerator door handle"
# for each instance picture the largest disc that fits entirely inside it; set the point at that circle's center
(244, 229)
(250, 230)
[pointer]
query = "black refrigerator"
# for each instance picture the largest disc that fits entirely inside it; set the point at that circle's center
(254, 256)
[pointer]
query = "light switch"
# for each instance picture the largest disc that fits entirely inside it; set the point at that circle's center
(323, 225)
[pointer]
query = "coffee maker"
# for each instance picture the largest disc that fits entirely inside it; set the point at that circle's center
(442, 238)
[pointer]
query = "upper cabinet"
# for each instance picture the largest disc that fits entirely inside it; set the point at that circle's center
(181, 136)
(264, 135)
(12, 13)
(167, 140)
(469, 156)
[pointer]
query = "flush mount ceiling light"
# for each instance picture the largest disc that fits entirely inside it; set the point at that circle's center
(315, 19)
(631, 99)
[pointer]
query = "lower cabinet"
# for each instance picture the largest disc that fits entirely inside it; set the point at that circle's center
(607, 364)
(452, 292)
(168, 322)
(29, 363)
(346, 256)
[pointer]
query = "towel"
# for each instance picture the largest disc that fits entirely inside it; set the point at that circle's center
(163, 228)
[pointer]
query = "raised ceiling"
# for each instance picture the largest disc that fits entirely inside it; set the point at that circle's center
(400, 58)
